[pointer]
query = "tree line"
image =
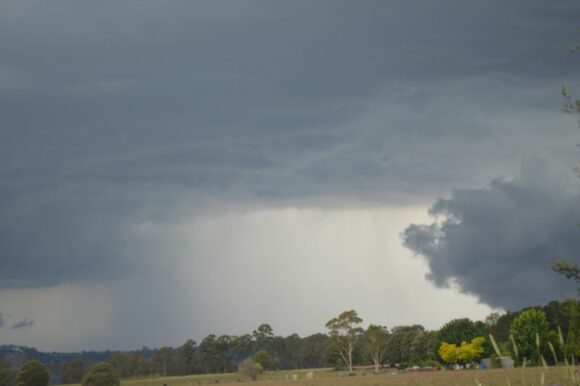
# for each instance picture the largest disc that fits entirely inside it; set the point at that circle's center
(344, 345)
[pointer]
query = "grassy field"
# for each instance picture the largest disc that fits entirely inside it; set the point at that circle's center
(494, 377)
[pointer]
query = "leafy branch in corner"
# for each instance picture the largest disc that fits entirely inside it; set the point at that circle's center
(563, 267)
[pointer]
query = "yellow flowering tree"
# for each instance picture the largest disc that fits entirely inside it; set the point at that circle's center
(466, 352)
(448, 352)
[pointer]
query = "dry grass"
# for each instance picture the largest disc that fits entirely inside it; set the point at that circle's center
(494, 377)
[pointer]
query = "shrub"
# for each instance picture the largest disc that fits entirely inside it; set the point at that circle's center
(32, 373)
(251, 369)
(101, 374)
(431, 363)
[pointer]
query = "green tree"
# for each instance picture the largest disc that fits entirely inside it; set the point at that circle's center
(571, 309)
(375, 344)
(250, 369)
(214, 353)
(263, 337)
(556, 316)
(32, 373)
(424, 347)
(101, 374)
(526, 328)
(313, 351)
(463, 330)
(163, 360)
(400, 349)
(72, 372)
(185, 357)
(563, 267)
(264, 359)
(133, 363)
(291, 358)
(241, 347)
(263, 332)
(492, 319)
(141, 365)
(344, 331)
(5, 373)
(213, 356)
(122, 364)
(501, 329)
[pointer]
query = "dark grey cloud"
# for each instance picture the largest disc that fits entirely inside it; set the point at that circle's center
(2, 320)
(497, 243)
(149, 111)
(24, 323)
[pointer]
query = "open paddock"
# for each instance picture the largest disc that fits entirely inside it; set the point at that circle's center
(493, 377)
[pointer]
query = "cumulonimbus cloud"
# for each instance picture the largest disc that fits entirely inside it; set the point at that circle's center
(339, 110)
(498, 242)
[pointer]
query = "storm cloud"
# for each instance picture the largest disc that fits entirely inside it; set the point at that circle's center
(24, 323)
(146, 111)
(498, 242)
(119, 117)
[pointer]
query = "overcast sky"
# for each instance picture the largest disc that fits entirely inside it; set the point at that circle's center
(171, 169)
